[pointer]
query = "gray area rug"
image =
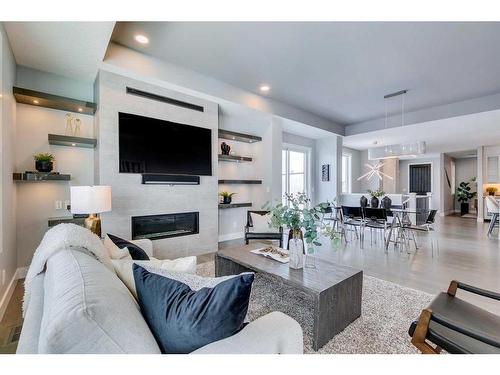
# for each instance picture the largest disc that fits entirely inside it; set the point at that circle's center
(387, 311)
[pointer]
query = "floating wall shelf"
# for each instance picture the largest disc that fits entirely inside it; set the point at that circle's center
(65, 140)
(43, 99)
(234, 205)
(35, 177)
(245, 182)
(240, 137)
(234, 158)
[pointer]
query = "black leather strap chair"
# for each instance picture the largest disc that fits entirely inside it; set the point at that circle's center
(457, 326)
(250, 235)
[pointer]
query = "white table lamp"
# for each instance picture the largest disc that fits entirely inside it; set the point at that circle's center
(91, 200)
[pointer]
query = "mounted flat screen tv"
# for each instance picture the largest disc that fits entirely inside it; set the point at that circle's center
(149, 145)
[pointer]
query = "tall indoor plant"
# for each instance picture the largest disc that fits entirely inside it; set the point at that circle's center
(299, 218)
(464, 194)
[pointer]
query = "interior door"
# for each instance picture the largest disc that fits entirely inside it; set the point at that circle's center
(420, 176)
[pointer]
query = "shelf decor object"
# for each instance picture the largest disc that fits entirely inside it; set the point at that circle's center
(36, 176)
(234, 158)
(239, 137)
(234, 205)
(43, 99)
(71, 141)
(240, 182)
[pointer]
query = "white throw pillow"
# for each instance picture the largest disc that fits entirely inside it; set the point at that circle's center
(114, 251)
(261, 223)
(123, 268)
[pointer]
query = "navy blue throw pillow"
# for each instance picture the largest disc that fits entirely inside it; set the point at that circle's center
(135, 251)
(183, 320)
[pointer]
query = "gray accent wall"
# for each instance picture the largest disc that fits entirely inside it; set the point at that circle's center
(130, 197)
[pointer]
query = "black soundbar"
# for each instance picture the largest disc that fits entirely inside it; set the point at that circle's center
(169, 179)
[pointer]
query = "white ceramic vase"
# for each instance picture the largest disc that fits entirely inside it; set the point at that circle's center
(295, 250)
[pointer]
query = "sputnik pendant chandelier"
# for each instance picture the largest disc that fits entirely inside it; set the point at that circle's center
(375, 170)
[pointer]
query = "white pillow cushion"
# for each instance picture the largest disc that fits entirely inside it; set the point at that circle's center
(116, 253)
(123, 268)
(261, 223)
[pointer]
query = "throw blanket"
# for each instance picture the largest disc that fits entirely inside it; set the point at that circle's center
(60, 238)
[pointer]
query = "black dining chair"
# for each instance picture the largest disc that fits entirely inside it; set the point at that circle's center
(352, 218)
(428, 227)
(376, 220)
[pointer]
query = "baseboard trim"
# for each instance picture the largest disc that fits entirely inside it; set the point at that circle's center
(21, 272)
(231, 236)
(4, 302)
(7, 295)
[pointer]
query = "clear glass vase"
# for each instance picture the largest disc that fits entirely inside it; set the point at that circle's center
(296, 252)
(310, 256)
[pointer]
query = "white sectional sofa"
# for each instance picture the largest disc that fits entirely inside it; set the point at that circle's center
(79, 306)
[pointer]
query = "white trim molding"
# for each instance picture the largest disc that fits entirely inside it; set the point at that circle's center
(4, 302)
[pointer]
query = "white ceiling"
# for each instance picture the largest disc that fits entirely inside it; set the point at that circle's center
(338, 70)
(70, 49)
(448, 135)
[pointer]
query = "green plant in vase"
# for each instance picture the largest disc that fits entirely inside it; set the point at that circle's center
(227, 197)
(44, 162)
(299, 218)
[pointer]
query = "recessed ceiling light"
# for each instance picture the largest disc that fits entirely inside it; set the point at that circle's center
(142, 39)
(35, 101)
(80, 110)
(73, 144)
(264, 88)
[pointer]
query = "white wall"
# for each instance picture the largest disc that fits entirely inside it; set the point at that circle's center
(8, 257)
(130, 197)
(36, 200)
(436, 177)
(328, 151)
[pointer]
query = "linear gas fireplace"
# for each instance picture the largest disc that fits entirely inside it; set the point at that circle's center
(155, 227)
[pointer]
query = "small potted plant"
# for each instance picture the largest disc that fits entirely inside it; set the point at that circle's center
(375, 194)
(44, 162)
(227, 197)
(491, 190)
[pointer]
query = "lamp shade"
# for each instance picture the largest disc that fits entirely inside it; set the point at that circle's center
(90, 199)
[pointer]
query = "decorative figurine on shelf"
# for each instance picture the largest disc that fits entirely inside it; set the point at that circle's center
(225, 148)
(69, 124)
(44, 162)
(77, 129)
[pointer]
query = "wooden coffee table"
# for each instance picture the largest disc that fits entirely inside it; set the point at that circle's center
(335, 289)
